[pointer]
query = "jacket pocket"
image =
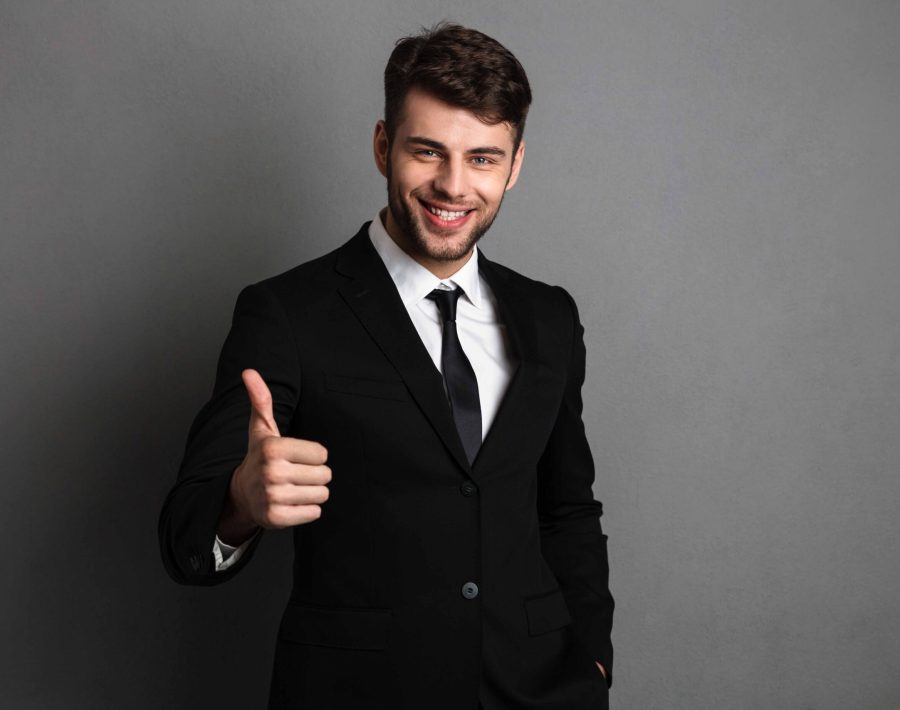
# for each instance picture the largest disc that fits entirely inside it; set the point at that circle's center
(546, 612)
(336, 627)
(380, 389)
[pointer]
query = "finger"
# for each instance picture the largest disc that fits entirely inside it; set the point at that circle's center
(262, 418)
(287, 494)
(277, 473)
(284, 516)
(311, 453)
(291, 450)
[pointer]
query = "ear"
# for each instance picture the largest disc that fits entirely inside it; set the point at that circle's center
(517, 165)
(381, 147)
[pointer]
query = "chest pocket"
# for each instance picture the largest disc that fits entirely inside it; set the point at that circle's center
(367, 387)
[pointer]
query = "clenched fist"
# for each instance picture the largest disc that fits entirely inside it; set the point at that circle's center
(280, 483)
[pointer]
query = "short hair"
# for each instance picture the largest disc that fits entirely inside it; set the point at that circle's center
(464, 68)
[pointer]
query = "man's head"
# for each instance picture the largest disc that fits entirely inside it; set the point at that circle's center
(462, 67)
(451, 140)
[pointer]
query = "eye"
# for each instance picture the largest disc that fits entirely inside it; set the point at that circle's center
(482, 161)
(427, 153)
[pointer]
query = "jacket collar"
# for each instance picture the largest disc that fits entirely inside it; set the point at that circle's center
(414, 281)
(371, 294)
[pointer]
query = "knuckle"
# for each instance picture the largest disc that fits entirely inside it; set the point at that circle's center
(268, 474)
(268, 448)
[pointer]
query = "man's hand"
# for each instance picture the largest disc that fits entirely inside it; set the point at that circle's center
(280, 483)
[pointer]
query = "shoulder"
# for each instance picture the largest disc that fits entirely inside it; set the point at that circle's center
(303, 284)
(551, 301)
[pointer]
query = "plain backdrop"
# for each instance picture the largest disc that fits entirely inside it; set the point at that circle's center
(718, 185)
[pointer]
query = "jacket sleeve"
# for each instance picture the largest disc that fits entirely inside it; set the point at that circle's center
(572, 540)
(260, 338)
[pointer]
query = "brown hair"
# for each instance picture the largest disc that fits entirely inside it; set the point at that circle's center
(462, 67)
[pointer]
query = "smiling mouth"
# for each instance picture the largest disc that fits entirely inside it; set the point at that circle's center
(445, 217)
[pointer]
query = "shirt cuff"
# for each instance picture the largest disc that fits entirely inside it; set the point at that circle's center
(225, 555)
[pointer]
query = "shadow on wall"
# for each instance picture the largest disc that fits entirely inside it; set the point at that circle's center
(101, 622)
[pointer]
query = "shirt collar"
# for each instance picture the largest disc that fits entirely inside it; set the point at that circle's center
(413, 280)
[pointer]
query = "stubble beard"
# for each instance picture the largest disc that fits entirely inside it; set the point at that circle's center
(414, 231)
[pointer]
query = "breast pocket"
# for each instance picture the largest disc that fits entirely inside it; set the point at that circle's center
(366, 387)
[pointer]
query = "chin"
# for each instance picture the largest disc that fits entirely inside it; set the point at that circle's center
(443, 248)
(430, 240)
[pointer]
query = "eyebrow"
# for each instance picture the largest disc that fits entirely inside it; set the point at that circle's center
(484, 150)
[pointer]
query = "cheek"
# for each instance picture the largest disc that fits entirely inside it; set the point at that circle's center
(411, 175)
(491, 191)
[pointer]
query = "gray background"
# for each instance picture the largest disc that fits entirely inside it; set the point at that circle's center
(715, 182)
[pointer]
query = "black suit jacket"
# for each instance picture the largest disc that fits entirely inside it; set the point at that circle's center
(427, 582)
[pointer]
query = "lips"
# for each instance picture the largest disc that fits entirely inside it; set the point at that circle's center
(444, 217)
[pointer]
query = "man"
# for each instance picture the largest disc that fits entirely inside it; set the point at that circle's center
(415, 417)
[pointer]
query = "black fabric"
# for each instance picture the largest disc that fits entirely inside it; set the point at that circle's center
(462, 385)
(377, 617)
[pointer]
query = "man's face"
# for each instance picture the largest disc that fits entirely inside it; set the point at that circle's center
(447, 172)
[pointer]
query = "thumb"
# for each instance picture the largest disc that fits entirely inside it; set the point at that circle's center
(262, 418)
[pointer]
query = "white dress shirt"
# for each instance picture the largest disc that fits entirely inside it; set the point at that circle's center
(482, 337)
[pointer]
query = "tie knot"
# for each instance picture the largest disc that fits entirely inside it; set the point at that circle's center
(446, 301)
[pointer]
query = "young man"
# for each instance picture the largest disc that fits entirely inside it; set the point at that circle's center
(414, 415)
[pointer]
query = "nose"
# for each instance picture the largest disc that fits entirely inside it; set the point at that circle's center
(450, 180)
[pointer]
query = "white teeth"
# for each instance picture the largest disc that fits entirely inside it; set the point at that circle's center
(445, 215)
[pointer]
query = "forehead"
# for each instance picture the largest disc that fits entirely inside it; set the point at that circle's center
(426, 116)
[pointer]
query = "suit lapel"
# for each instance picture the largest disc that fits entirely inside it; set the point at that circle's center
(373, 297)
(517, 314)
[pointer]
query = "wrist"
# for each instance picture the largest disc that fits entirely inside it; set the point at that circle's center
(234, 526)
(234, 531)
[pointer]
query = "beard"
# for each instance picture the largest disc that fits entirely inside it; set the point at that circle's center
(407, 216)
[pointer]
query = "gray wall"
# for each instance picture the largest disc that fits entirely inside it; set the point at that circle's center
(715, 182)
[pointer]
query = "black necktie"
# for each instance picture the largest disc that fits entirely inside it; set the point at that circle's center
(462, 386)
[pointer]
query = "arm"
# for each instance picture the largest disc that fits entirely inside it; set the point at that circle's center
(260, 338)
(572, 540)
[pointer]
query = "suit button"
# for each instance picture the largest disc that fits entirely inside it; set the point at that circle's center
(195, 562)
(470, 590)
(468, 489)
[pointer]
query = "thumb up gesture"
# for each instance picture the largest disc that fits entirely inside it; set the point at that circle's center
(281, 482)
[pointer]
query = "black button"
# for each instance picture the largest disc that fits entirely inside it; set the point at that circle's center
(195, 562)
(468, 489)
(470, 590)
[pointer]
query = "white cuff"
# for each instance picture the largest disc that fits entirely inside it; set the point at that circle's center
(225, 555)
